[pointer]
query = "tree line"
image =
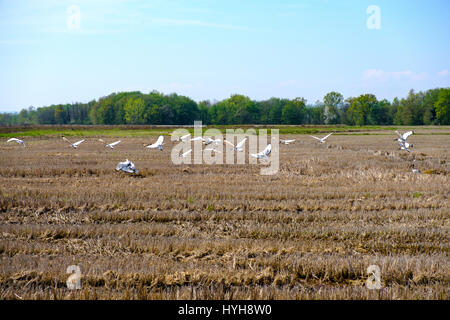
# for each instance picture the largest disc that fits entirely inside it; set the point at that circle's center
(431, 107)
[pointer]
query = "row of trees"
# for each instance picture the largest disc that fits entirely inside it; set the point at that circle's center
(421, 108)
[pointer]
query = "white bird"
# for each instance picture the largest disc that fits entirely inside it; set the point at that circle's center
(402, 140)
(286, 141)
(158, 144)
(127, 166)
(184, 155)
(209, 141)
(17, 140)
(404, 136)
(322, 140)
(238, 147)
(404, 145)
(111, 145)
(263, 154)
(183, 138)
(73, 145)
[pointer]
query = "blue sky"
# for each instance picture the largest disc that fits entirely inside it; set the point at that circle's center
(212, 49)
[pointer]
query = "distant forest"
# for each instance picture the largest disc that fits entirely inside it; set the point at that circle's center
(431, 107)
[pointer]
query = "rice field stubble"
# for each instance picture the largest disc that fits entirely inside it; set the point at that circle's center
(225, 231)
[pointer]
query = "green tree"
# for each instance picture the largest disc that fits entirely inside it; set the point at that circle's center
(411, 110)
(361, 108)
(203, 108)
(333, 102)
(443, 107)
(293, 111)
(135, 111)
(429, 100)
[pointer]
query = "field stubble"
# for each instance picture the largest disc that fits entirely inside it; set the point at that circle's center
(224, 231)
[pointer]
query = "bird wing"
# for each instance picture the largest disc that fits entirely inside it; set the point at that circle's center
(399, 135)
(267, 150)
(115, 143)
(158, 143)
(241, 143)
(185, 136)
(186, 153)
(407, 134)
(14, 139)
(327, 136)
(226, 141)
(197, 139)
(316, 138)
(289, 141)
(65, 139)
(122, 165)
(78, 142)
(160, 140)
(101, 140)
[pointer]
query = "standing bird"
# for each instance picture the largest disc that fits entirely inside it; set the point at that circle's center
(73, 145)
(263, 154)
(158, 144)
(111, 145)
(127, 166)
(17, 140)
(238, 147)
(322, 140)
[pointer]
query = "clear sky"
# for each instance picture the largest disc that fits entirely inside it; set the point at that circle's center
(57, 51)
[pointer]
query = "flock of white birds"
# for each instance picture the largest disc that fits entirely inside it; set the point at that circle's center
(129, 167)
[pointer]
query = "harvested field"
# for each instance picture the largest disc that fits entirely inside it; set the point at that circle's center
(225, 231)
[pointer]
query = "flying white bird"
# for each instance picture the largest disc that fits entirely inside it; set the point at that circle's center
(184, 155)
(404, 145)
(127, 166)
(404, 136)
(286, 141)
(111, 145)
(238, 147)
(209, 141)
(263, 154)
(17, 140)
(73, 145)
(183, 138)
(158, 144)
(322, 140)
(402, 140)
